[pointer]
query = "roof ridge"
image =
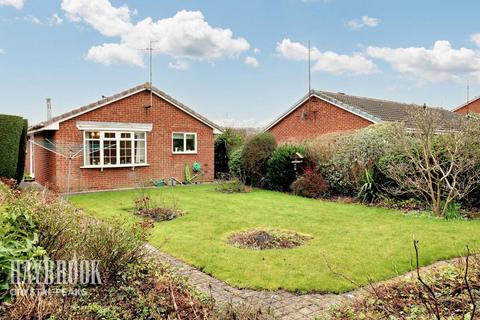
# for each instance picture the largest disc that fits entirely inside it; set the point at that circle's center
(375, 99)
(120, 95)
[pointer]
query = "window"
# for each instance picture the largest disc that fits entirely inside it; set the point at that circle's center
(184, 142)
(115, 149)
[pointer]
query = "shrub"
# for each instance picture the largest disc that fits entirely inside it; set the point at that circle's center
(280, 169)
(453, 211)
(369, 191)
(11, 128)
(66, 232)
(22, 148)
(344, 162)
(18, 237)
(235, 165)
(227, 184)
(225, 143)
(255, 154)
(145, 206)
(311, 185)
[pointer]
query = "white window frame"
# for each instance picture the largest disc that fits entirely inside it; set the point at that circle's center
(117, 138)
(185, 143)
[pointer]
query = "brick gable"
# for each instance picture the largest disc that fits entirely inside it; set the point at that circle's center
(321, 118)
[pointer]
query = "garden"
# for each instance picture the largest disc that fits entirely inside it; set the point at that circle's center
(345, 241)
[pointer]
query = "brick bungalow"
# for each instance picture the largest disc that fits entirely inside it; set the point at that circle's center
(473, 106)
(121, 141)
(322, 112)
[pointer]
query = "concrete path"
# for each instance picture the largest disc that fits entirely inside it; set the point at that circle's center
(282, 304)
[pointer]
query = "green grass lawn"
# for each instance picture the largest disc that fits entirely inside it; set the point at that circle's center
(356, 241)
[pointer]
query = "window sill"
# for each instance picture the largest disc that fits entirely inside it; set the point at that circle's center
(116, 166)
(186, 152)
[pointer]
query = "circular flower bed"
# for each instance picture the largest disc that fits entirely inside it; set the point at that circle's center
(262, 239)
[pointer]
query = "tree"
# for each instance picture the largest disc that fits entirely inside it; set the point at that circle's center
(255, 154)
(436, 160)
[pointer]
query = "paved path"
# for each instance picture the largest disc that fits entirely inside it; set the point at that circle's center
(282, 304)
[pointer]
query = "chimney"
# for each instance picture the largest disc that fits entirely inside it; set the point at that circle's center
(49, 109)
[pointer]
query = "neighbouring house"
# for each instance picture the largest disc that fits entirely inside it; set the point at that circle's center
(321, 112)
(472, 106)
(121, 141)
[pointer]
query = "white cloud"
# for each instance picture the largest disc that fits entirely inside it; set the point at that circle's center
(186, 35)
(327, 61)
(475, 38)
(440, 63)
(178, 65)
(365, 21)
(100, 14)
(55, 20)
(256, 50)
(13, 3)
(111, 53)
(2, 51)
(31, 19)
(252, 62)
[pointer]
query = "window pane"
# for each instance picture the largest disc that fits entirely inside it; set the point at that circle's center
(109, 135)
(190, 139)
(126, 135)
(139, 151)
(93, 135)
(178, 142)
(125, 152)
(93, 153)
(109, 152)
(140, 135)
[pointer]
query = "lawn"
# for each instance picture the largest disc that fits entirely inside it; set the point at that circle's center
(355, 241)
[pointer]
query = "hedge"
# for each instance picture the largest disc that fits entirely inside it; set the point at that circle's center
(12, 146)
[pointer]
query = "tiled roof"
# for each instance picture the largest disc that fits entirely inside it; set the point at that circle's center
(126, 93)
(382, 109)
(375, 110)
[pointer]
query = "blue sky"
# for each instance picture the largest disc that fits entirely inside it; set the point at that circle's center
(238, 62)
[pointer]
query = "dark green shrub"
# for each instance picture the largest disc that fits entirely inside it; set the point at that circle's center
(18, 236)
(452, 211)
(255, 154)
(280, 169)
(311, 185)
(369, 191)
(22, 148)
(11, 128)
(235, 165)
(225, 143)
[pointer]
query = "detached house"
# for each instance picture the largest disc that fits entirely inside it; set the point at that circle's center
(472, 106)
(137, 135)
(322, 112)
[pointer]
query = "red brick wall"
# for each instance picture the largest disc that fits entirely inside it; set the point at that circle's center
(472, 107)
(165, 118)
(322, 117)
(44, 162)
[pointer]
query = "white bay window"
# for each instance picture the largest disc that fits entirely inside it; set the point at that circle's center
(112, 145)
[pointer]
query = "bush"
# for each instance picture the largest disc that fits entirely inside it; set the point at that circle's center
(64, 231)
(235, 165)
(311, 185)
(255, 154)
(225, 143)
(344, 162)
(18, 237)
(22, 148)
(280, 169)
(11, 129)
